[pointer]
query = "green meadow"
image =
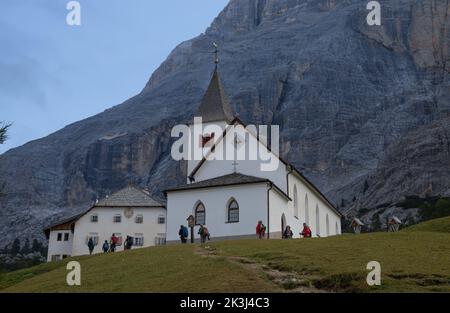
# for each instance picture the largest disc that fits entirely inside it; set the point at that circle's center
(416, 259)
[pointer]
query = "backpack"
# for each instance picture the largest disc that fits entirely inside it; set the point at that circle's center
(185, 232)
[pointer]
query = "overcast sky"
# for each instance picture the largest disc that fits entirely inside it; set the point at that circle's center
(52, 74)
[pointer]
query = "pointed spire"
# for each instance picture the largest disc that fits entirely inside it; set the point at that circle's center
(215, 105)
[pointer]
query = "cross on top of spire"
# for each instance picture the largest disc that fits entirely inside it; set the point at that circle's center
(215, 106)
(216, 53)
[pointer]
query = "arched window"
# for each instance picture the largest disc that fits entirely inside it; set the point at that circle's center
(337, 228)
(317, 220)
(306, 210)
(328, 225)
(200, 214)
(295, 202)
(233, 212)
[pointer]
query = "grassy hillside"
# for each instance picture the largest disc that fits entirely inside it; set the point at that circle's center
(414, 260)
(158, 269)
(441, 225)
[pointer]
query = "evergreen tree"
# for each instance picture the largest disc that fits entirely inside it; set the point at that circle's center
(44, 251)
(15, 249)
(26, 247)
(375, 222)
(39, 247)
(36, 246)
(3, 130)
(3, 135)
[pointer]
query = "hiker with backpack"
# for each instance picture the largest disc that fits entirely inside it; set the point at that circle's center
(105, 246)
(113, 243)
(306, 232)
(183, 233)
(204, 233)
(128, 243)
(91, 245)
(287, 234)
(260, 230)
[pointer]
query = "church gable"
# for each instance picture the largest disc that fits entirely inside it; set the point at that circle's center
(239, 150)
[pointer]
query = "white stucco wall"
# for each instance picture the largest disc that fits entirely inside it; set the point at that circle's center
(277, 206)
(314, 200)
(60, 248)
(252, 200)
(150, 229)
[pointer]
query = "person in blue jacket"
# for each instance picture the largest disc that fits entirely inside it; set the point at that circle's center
(106, 246)
(183, 233)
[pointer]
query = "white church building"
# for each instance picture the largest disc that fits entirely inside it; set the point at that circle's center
(230, 196)
(127, 212)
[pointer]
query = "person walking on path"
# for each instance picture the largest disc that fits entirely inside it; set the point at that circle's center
(288, 233)
(204, 233)
(105, 246)
(183, 233)
(128, 243)
(260, 230)
(91, 245)
(306, 232)
(114, 241)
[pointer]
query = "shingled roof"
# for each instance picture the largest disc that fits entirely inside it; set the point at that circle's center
(129, 196)
(227, 180)
(215, 105)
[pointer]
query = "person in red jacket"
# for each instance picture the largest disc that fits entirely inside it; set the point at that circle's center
(306, 232)
(114, 241)
(260, 230)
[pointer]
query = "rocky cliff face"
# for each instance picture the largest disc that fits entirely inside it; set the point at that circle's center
(364, 111)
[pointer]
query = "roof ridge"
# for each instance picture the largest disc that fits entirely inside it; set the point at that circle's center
(147, 194)
(116, 197)
(233, 174)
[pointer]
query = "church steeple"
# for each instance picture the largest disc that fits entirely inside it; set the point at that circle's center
(215, 106)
